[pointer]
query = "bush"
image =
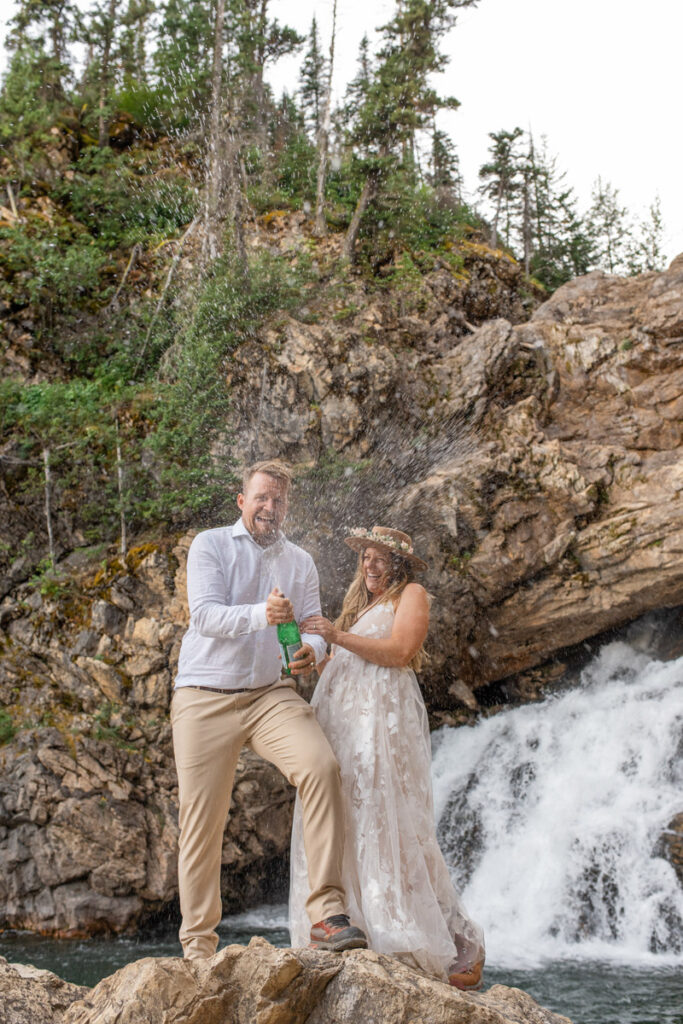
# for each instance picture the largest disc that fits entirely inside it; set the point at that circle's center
(7, 727)
(119, 205)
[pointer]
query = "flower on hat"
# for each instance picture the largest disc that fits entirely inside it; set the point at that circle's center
(383, 538)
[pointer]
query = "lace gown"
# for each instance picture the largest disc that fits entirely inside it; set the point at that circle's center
(398, 887)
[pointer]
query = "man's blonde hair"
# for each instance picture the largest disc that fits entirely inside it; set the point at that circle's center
(271, 467)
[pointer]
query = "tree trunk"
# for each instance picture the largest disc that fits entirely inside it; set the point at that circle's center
(496, 216)
(526, 228)
(47, 480)
(257, 82)
(235, 199)
(104, 70)
(320, 227)
(367, 195)
(214, 184)
(119, 484)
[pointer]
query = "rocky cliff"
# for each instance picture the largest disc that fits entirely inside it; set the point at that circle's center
(262, 985)
(536, 464)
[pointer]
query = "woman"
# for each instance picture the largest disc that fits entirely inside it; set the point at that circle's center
(370, 707)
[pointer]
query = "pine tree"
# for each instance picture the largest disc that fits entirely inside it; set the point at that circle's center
(256, 41)
(312, 80)
(608, 228)
(133, 45)
(48, 25)
(645, 250)
(182, 60)
(99, 29)
(553, 237)
(501, 175)
(320, 228)
(359, 87)
(444, 173)
(400, 99)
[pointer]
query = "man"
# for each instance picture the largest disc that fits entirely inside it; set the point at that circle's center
(242, 581)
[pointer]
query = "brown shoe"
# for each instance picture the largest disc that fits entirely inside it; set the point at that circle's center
(337, 933)
(469, 980)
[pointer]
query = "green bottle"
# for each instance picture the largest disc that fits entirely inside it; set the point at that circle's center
(289, 639)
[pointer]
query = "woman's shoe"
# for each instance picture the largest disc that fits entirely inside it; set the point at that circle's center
(468, 981)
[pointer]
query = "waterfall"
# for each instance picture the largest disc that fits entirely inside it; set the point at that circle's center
(550, 816)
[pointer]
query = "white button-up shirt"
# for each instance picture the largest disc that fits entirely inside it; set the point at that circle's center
(229, 643)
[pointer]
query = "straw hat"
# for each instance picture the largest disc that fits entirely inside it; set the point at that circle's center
(393, 542)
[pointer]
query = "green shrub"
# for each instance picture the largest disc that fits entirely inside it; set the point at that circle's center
(7, 727)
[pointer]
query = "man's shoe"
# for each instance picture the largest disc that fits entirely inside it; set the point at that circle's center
(337, 933)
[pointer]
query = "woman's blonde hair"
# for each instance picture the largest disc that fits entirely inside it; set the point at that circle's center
(358, 598)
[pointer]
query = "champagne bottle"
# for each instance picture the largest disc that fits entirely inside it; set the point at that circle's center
(289, 639)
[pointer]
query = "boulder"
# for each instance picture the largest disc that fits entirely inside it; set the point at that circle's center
(33, 996)
(260, 984)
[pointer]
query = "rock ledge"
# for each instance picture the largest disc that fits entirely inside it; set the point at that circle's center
(260, 984)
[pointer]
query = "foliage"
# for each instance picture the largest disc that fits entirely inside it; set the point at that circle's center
(311, 79)
(26, 105)
(121, 202)
(609, 229)
(187, 414)
(7, 727)
(128, 394)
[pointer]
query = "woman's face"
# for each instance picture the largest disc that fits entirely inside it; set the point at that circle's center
(376, 565)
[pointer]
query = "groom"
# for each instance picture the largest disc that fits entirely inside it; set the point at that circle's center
(229, 694)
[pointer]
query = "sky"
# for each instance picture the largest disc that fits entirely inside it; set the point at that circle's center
(600, 79)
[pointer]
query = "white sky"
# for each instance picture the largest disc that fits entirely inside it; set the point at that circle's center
(601, 79)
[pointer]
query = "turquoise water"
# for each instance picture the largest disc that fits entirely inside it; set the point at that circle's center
(588, 992)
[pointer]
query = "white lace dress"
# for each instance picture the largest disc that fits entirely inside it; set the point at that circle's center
(398, 887)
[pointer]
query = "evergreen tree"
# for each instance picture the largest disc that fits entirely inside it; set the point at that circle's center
(312, 80)
(44, 21)
(320, 227)
(645, 251)
(133, 45)
(182, 59)
(400, 99)
(501, 175)
(99, 29)
(359, 87)
(47, 27)
(608, 228)
(26, 103)
(444, 172)
(554, 238)
(256, 41)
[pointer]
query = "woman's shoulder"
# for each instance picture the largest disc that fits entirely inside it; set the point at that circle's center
(414, 593)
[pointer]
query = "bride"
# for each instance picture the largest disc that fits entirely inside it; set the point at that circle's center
(369, 705)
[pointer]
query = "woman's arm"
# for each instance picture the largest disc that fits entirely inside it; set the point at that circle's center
(411, 622)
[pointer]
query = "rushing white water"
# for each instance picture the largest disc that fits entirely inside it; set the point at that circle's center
(550, 816)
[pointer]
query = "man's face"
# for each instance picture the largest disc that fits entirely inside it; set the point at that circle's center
(263, 507)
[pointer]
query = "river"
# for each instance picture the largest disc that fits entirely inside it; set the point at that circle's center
(550, 817)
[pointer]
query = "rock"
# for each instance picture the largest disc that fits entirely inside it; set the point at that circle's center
(33, 996)
(260, 984)
(88, 837)
(670, 845)
(106, 617)
(536, 464)
(105, 676)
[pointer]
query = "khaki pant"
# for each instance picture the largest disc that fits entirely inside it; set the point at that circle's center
(209, 731)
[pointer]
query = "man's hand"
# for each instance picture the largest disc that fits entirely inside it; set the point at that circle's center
(304, 661)
(278, 608)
